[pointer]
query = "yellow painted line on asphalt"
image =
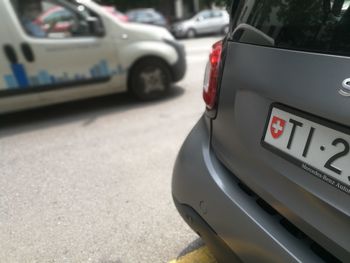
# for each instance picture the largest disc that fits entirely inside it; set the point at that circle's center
(201, 255)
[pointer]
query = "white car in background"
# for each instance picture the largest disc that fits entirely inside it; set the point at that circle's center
(205, 22)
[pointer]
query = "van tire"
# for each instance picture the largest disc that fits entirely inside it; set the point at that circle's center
(150, 79)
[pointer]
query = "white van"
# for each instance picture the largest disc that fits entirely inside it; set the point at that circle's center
(59, 50)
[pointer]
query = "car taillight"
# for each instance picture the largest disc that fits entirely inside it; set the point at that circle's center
(210, 86)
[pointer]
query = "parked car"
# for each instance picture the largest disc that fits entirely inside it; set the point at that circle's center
(94, 54)
(205, 22)
(111, 9)
(147, 16)
(264, 176)
(55, 19)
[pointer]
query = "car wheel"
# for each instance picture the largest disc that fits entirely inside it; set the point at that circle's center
(150, 79)
(225, 30)
(191, 33)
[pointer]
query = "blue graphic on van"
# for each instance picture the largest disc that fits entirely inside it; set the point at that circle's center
(20, 78)
(20, 74)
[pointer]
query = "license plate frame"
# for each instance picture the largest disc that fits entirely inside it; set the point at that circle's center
(309, 168)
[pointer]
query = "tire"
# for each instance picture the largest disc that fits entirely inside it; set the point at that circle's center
(191, 33)
(225, 30)
(150, 79)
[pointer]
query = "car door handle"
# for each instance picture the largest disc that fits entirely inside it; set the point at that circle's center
(10, 54)
(27, 52)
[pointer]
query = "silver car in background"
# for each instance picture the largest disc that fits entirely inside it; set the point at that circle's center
(147, 16)
(205, 22)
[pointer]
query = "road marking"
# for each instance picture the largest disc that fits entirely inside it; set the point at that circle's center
(201, 255)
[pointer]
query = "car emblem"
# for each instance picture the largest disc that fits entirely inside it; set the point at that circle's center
(345, 90)
(277, 127)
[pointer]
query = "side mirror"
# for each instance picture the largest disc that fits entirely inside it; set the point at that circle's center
(96, 27)
(199, 19)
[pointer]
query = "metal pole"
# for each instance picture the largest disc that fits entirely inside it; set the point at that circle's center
(196, 6)
(178, 9)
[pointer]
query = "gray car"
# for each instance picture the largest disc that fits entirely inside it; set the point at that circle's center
(264, 176)
(147, 16)
(205, 22)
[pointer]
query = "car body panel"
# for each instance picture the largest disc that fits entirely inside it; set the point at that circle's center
(202, 182)
(240, 125)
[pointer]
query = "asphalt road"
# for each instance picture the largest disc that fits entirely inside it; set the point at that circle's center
(90, 181)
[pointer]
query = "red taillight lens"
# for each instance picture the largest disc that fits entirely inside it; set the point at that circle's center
(210, 86)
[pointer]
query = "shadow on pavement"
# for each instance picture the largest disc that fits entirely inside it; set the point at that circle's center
(84, 110)
(198, 243)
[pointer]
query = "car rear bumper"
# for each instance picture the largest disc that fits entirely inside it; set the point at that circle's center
(232, 220)
(222, 252)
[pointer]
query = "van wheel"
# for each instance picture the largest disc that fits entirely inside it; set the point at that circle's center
(191, 33)
(150, 79)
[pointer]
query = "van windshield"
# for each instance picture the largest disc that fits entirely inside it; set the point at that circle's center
(309, 25)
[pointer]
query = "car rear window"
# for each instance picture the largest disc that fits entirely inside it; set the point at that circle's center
(309, 25)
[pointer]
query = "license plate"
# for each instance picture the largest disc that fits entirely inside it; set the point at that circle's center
(319, 147)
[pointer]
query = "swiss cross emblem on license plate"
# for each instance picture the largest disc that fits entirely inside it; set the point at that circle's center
(277, 127)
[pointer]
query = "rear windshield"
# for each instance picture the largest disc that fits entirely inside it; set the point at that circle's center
(309, 25)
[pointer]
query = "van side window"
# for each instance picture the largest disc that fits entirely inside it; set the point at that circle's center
(51, 19)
